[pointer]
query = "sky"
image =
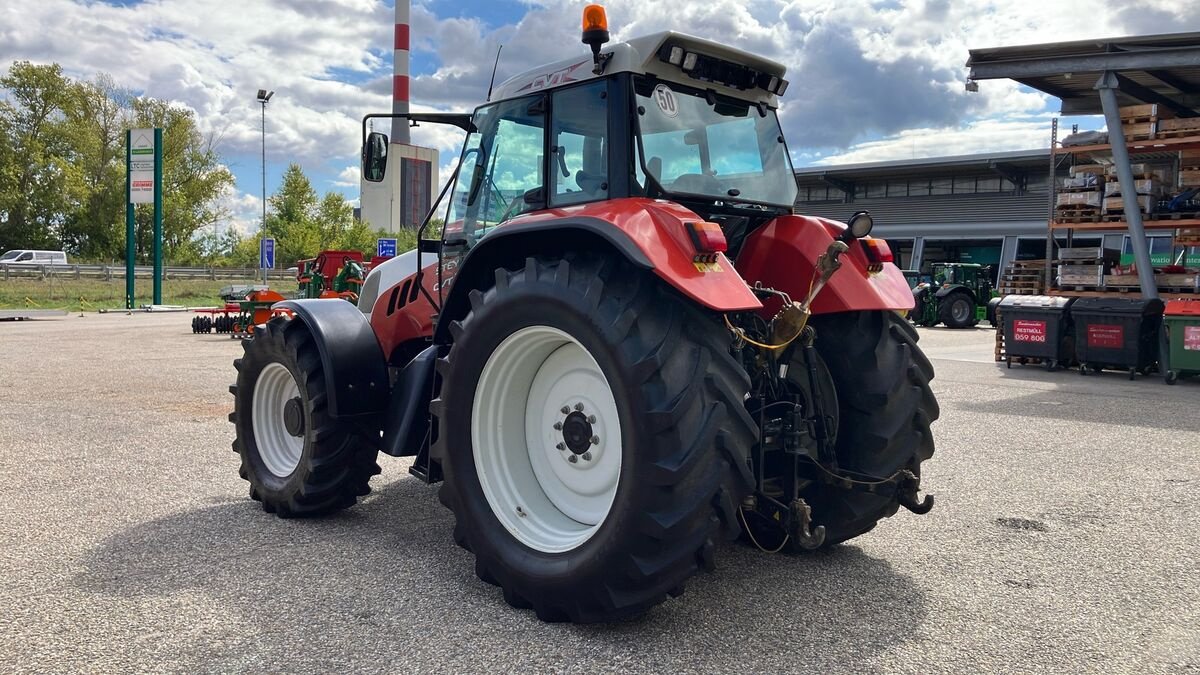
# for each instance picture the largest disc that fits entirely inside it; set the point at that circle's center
(870, 80)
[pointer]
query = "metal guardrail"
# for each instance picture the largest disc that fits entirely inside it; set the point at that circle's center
(110, 272)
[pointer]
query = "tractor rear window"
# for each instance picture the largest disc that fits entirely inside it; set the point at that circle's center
(712, 147)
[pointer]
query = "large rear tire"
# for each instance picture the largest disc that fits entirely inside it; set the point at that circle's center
(589, 355)
(884, 410)
(957, 310)
(299, 460)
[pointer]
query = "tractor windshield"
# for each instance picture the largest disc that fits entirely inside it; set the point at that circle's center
(711, 146)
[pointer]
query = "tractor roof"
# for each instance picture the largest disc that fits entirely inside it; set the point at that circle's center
(642, 55)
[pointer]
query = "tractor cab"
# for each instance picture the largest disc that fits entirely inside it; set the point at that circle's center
(666, 116)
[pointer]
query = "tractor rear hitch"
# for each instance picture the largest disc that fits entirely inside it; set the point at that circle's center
(906, 493)
(806, 537)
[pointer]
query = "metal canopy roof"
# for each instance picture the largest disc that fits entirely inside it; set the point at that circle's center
(1163, 69)
(951, 164)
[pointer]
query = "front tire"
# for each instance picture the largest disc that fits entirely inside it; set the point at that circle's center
(662, 405)
(298, 459)
(884, 411)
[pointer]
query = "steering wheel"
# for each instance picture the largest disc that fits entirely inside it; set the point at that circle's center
(517, 201)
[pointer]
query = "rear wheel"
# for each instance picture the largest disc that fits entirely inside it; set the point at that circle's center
(299, 460)
(957, 310)
(601, 416)
(884, 408)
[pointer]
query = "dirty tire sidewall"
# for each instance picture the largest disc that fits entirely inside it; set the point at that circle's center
(673, 387)
(885, 409)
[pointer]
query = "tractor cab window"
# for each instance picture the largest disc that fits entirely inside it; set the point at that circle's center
(694, 143)
(501, 162)
(578, 147)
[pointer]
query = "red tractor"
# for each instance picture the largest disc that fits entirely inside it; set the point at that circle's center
(622, 347)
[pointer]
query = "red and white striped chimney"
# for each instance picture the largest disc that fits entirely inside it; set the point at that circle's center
(400, 74)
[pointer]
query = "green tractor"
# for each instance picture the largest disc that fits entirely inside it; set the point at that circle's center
(958, 292)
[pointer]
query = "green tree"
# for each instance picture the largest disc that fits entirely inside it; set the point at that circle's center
(62, 168)
(35, 167)
(292, 218)
(96, 121)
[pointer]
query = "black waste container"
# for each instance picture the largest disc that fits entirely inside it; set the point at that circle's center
(1116, 333)
(1037, 327)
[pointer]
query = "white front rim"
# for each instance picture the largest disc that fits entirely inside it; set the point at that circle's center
(280, 451)
(546, 439)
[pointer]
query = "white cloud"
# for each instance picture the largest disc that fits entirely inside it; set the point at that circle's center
(244, 209)
(859, 69)
(348, 177)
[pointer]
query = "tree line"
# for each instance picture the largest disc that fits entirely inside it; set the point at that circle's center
(62, 180)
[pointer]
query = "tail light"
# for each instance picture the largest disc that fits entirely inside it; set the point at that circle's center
(878, 252)
(708, 239)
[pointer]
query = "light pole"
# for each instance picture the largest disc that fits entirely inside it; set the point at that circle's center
(263, 97)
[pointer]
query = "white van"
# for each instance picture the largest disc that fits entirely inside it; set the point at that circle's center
(31, 257)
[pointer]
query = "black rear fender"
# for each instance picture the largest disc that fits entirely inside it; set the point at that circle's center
(356, 375)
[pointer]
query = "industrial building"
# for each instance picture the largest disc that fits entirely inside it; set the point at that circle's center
(988, 208)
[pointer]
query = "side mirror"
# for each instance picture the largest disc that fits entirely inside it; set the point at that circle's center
(374, 159)
(859, 226)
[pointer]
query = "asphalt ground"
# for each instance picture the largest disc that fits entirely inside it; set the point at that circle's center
(1064, 539)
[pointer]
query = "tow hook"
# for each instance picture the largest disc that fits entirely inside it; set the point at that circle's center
(906, 494)
(806, 537)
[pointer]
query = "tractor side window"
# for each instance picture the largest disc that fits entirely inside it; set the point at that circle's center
(578, 144)
(504, 166)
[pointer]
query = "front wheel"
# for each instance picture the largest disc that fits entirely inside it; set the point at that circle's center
(298, 459)
(589, 419)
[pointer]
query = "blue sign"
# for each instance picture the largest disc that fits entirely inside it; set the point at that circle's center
(266, 254)
(387, 248)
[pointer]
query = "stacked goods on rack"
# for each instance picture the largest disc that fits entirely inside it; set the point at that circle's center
(1079, 197)
(1148, 181)
(1189, 167)
(1085, 268)
(1144, 122)
(1022, 277)
(1169, 278)
(1176, 128)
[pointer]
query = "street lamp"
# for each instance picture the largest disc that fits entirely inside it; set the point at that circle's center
(263, 97)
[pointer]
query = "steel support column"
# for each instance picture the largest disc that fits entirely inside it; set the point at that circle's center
(1108, 85)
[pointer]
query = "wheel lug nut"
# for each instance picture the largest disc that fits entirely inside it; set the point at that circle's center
(565, 410)
(558, 426)
(591, 419)
(594, 440)
(579, 407)
(561, 446)
(587, 456)
(572, 459)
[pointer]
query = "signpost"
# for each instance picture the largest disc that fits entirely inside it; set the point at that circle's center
(143, 184)
(386, 248)
(266, 255)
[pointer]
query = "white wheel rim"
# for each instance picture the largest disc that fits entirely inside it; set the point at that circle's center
(280, 451)
(543, 498)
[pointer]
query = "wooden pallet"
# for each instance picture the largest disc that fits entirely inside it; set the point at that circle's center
(1141, 131)
(1177, 128)
(1092, 216)
(1144, 112)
